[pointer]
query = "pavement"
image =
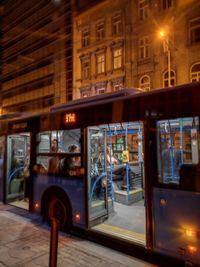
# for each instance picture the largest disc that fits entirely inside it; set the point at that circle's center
(25, 242)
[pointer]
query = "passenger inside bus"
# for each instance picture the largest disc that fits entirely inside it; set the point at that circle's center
(74, 161)
(110, 158)
(70, 162)
(54, 161)
(121, 173)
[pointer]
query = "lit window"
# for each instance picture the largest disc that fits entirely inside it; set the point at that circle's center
(116, 25)
(85, 94)
(100, 63)
(117, 84)
(194, 29)
(101, 90)
(195, 73)
(145, 83)
(100, 32)
(117, 87)
(166, 79)
(85, 69)
(117, 58)
(144, 48)
(85, 38)
(143, 9)
(167, 4)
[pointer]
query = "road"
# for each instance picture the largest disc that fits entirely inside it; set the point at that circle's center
(25, 241)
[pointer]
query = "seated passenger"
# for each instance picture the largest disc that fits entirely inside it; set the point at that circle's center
(110, 158)
(70, 162)
(54, 161)
(74, 161)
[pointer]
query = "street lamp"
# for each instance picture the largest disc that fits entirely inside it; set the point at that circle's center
(165, 39)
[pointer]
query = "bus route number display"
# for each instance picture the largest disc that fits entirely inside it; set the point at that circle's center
(70, 118)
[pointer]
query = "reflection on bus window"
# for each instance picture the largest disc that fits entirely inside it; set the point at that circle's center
(177, 148)
(56, 152)
(18, 167)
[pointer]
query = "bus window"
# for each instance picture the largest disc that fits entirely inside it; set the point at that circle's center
(58, 151)
(177, 150)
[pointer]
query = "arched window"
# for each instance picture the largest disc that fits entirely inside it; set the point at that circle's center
(145, 83)
(195, 73)
(166, 78)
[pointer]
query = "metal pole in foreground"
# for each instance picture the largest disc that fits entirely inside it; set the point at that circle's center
(53, 243)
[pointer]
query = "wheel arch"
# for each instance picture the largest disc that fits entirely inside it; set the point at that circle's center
(51, 193)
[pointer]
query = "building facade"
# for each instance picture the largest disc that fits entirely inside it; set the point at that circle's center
(36, 55)
(54, 51)
(136, 43)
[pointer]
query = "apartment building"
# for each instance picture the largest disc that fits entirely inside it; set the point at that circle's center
(135, 43)
(54, 51)
(36, 55)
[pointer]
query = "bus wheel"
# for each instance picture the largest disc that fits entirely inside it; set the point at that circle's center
(58, 209)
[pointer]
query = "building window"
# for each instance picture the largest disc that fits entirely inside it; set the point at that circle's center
(117, 25)
(117, 58)
(143, 9)
(85, 92)
(166, 78)
(85, 38)
(195, 73)
(194, 29)
(100, 63)
(144, 48)
(144, 83)
(117, 84)
(85, 69)
(101, 91)
(167, 4)
(100, 31)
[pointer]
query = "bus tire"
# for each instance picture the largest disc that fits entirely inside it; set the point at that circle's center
(58, 208)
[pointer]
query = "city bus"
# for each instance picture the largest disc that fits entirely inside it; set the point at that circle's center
(120, 168)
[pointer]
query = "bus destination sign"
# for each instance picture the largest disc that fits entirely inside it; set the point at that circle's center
(70, 118)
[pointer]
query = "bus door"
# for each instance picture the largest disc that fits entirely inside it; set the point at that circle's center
(97, 177)
(17, 171)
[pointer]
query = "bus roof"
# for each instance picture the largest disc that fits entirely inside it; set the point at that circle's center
(96, 99)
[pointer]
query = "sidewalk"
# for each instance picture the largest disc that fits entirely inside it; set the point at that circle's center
(25, 239)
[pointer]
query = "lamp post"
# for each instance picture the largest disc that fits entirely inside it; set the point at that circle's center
(166, 49)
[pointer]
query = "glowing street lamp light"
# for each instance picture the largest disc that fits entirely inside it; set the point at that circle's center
(166, 49)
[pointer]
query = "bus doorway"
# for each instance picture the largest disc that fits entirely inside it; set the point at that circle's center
(97, 176)
(124, 174)
(17, 171)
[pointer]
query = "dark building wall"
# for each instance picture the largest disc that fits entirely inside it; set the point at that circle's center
(36, 54)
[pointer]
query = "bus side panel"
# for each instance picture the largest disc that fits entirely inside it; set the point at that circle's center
(176, 223)
(72, 186)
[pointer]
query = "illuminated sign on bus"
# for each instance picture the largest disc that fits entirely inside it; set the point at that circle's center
(70, 118)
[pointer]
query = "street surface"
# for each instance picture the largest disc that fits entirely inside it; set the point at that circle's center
(25, 240)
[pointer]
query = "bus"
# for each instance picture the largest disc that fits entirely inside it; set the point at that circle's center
(120, 168)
